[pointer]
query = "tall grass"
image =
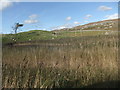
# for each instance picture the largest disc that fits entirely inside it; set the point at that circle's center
(69, 62)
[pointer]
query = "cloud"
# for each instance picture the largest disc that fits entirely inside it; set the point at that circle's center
(86, 21)
(10, 0)
(6, 3)
(68, 18)
(44, 29)
(58, 27)
(61, 27)
(88, 16)
(104, 8)
(33, 16)
(32, 19)
(76, 22)
(112, 16)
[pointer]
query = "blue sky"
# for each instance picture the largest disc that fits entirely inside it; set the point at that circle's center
(55, 15)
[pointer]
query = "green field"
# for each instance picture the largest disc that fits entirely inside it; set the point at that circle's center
(36, 35)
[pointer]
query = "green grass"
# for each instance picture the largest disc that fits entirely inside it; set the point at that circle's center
(25, 36)
(36, 35)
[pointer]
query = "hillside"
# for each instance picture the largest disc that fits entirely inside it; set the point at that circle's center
(106, 27)
(100, 25)
(25, 36)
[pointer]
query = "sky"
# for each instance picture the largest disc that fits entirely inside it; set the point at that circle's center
(54, 15)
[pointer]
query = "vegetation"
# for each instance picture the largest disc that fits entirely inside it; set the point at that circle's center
(36, 35)
(71, 58)
(75, 62)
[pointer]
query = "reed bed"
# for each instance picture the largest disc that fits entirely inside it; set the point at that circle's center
(70, 62)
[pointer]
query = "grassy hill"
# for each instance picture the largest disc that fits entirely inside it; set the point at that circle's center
(36, 35)
(26, 36)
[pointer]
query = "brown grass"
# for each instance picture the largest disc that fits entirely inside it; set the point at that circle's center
(85, 62)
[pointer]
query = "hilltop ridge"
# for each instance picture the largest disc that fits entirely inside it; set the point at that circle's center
(99, 25)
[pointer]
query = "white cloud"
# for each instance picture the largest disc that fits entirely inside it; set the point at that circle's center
(44, 29)
(33, 16)
(112, 16)
(104, 8)
(62, 26)
(86, 21)
(32, 19)
(58, 27)
(10, 0)
(6, 3)
(88, 16)
(76, 22)
(68, 18)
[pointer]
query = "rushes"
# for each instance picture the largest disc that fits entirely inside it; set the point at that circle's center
(85, 62)
(37, 79)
